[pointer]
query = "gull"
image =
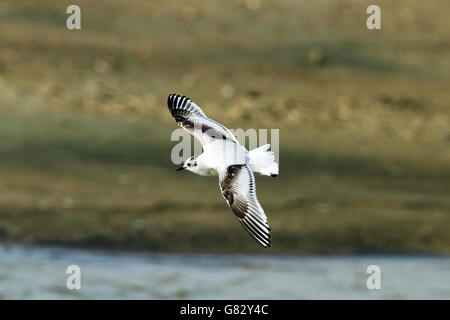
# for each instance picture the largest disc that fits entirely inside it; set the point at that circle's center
(224, 156)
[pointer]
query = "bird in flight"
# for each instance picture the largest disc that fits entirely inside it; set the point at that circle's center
(233, 163)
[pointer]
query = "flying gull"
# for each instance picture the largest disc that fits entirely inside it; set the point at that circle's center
(225, 156)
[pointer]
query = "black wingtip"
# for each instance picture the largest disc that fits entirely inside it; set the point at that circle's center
(170, 99)
(267, 245)
(176, 101)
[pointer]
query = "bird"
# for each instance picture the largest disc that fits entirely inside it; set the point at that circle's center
(224, 156)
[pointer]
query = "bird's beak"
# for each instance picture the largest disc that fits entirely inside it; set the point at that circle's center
(180, 168)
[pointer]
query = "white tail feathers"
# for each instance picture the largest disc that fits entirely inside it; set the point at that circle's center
(263, 161)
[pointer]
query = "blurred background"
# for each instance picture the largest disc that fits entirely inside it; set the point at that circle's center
(364, 119)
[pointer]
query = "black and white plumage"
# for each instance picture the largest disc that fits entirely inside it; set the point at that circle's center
(188, 115)
(238, 189)
(222, 154)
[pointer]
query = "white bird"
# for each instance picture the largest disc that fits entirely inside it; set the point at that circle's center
(223, 155)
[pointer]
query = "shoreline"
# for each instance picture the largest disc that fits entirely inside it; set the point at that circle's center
(6, 245)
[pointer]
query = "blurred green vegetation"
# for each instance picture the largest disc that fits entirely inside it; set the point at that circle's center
(364, 119)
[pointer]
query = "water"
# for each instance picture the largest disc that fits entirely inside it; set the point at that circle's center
(40, 273)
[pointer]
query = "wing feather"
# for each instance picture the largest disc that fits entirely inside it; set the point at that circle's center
(192, 118)
(238, 188)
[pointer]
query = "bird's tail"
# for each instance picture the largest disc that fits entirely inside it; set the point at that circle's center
(263, 161)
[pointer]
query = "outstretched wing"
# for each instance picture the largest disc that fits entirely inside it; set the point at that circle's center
(191, 118)
(238, 188)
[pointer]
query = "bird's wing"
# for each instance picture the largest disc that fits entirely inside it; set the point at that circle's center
(237, 184)
(191, 118)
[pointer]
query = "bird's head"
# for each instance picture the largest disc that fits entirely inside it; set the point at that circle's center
(190, 165)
